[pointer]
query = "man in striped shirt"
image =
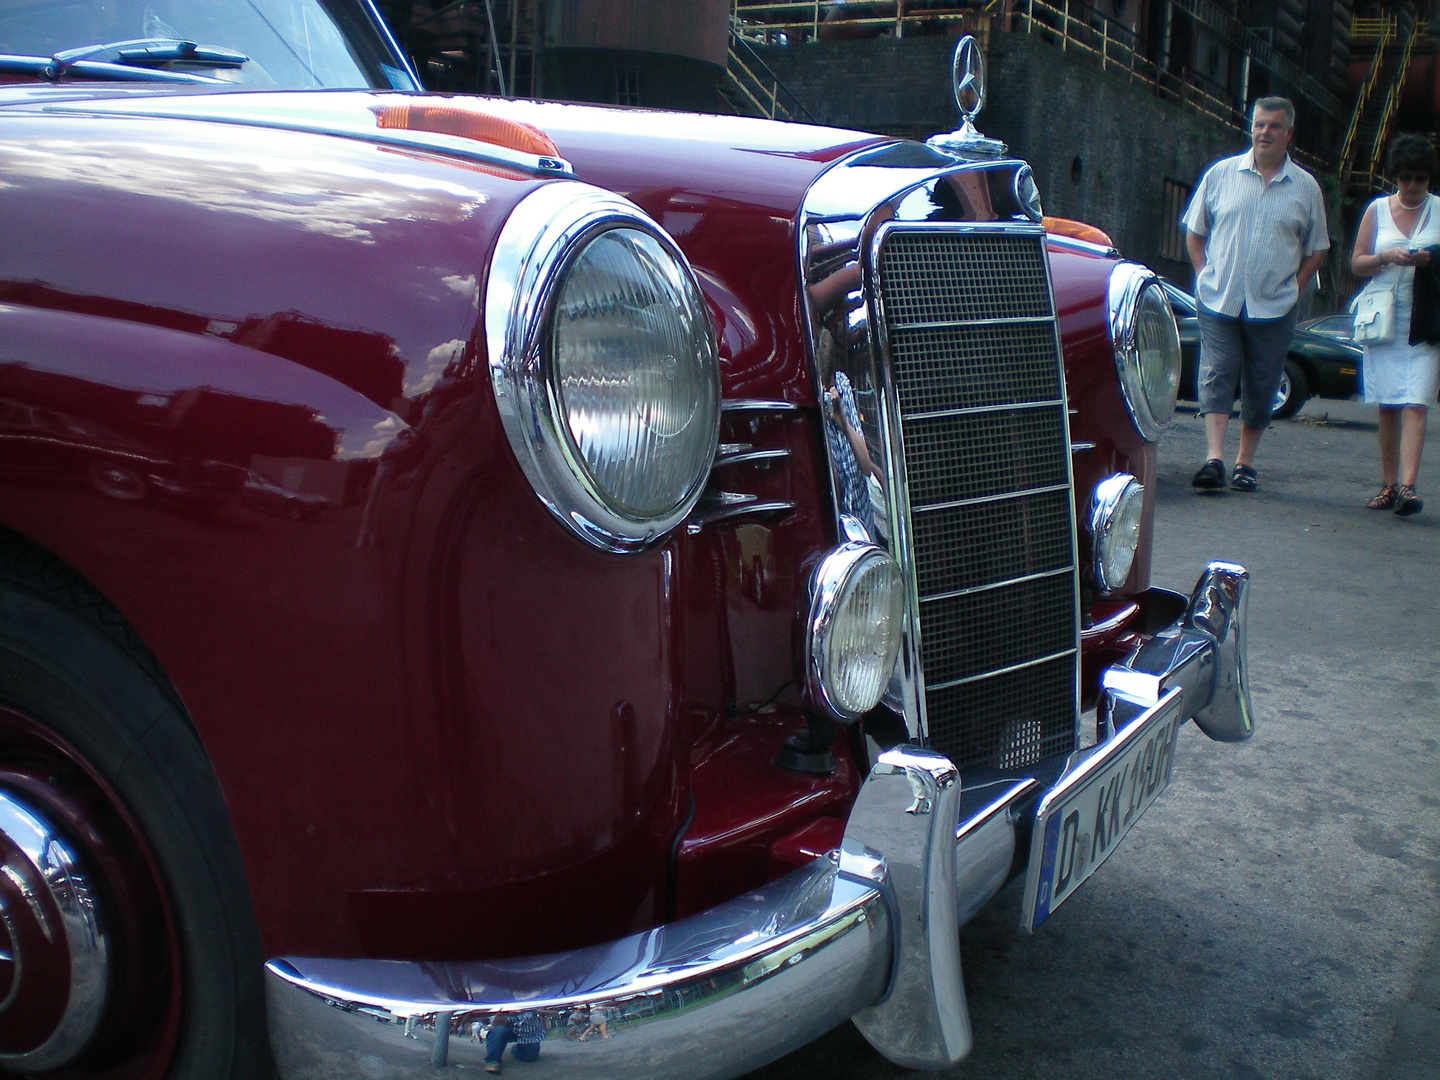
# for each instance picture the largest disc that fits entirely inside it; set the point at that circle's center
(1256, 234)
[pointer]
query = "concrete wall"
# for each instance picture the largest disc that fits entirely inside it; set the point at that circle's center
(1101, 146)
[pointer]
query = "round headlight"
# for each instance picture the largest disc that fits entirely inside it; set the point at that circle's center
(604, 364)
(854, 629)
(1147, 346)
(1115, 528)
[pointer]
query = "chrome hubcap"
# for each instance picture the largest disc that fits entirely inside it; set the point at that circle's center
(54, 954)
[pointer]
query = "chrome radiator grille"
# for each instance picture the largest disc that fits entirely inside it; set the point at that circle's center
(973, 356)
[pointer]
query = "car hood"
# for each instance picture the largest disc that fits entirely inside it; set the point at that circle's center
(727, 188)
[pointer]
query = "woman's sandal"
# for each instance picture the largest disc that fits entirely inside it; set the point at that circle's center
(1384, 499)
(1407, 502)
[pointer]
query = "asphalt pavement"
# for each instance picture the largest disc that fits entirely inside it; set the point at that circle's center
(1275, 914)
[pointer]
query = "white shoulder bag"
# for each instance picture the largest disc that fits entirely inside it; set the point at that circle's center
(1374, 308)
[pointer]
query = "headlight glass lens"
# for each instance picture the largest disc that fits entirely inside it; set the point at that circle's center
(1147, 346)
(1115, 528)
(1157, 346)
(635, 372)
(856, 617)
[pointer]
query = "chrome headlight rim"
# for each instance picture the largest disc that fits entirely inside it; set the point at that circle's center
(540, 241)
(1027, 193)
(1111, 499)
(1128, 288)
(829, 587)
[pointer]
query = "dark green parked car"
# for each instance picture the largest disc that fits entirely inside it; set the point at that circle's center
(1323, 361)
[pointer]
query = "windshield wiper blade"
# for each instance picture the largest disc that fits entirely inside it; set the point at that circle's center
(141, 52)
(43, 67)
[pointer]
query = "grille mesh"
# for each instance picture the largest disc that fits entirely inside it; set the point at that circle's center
(986, 467)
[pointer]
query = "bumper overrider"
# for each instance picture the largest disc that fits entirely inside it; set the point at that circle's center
(869, 932)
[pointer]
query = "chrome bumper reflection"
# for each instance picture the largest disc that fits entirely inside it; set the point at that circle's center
(715, 995)
(868, 933)
(1203, 654)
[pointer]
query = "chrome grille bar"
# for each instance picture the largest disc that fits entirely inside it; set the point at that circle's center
(971, 350)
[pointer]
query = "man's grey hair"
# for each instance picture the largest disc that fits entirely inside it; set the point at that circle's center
(1275, 104)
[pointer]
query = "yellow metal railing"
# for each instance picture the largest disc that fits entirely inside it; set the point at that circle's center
(1384, 30)
(1371, 177)
(1070, 27)
(812, 20)
(764, 98)
(1365, 29)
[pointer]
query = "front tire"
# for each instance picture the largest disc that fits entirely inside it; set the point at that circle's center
(96, 751)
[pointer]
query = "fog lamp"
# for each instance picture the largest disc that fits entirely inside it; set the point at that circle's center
(853, 630)
(1115, 528)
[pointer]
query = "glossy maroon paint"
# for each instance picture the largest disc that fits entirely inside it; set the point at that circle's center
(444, 727)
(1098, 413)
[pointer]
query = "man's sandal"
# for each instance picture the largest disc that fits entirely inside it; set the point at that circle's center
(1243, 478)
(1407, 502)
(1383, 499)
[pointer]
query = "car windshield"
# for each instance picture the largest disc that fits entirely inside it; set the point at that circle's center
(1332, 326)
(289, 43)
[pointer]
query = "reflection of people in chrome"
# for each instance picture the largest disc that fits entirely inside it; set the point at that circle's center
(599, 1018)
(859, 481)
(524, 1030)
(575, 1022)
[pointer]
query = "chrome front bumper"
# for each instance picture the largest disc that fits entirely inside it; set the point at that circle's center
(869, 932)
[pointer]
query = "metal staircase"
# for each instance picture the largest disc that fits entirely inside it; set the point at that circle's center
(1362, 154)
(750, 88)
(481, 46)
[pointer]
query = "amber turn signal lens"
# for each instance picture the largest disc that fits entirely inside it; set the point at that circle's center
(467, 122)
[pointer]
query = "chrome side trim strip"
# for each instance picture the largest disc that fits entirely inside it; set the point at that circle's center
(722, 505)
(749, 457)
(757, 405)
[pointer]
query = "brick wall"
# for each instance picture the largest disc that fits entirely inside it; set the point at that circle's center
(1101, 147)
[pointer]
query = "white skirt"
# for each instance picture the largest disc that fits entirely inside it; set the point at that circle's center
(1398, 373)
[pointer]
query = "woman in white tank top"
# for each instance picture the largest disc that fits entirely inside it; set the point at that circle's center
(1399, 377)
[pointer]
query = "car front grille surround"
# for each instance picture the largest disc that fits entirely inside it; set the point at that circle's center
(980, 463)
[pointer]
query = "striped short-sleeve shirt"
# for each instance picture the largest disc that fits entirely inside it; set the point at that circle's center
(1256, 235)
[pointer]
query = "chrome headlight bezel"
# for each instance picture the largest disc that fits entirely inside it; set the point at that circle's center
(1116, 498)
(541, 240)
(1146, 340)
(831, 586)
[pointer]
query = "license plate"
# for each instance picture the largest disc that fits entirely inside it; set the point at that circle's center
(1083, 817)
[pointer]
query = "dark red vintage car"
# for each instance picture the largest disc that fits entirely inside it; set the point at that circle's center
(468, 558)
